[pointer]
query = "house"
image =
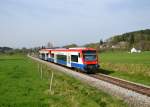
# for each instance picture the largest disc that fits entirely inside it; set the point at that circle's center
(133, 50)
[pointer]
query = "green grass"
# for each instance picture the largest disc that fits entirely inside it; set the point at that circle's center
(126, 58)
(21, 86)
(133, 67)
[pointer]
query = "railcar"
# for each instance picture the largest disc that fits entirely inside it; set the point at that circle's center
(83, 59)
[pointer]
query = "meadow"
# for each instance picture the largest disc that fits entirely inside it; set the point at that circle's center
(133, 67)
(21, 85)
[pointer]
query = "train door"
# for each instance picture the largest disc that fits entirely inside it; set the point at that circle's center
(55, 57)
(68, 60)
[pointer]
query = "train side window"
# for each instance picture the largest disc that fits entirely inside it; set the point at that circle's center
(43, 56)
(52, 55)
(62, 57)
(74, 58)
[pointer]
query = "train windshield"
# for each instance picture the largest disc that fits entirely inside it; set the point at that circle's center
(89, 55)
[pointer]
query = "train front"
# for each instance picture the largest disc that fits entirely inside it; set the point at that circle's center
(90, 60)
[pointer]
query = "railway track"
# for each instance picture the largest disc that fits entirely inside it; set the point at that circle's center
(145, 90)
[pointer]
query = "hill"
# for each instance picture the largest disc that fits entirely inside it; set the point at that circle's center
(139, 39)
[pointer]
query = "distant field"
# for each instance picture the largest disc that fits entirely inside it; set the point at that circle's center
(21, 86)
(134, 67)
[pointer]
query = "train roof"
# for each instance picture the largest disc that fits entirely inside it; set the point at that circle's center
(68, 49)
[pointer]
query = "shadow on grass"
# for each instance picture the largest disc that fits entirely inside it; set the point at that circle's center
(104, 71)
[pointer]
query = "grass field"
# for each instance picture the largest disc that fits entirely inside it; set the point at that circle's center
(21, 86)
(134, 67)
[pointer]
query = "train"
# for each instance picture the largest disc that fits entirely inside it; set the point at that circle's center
(81, 59)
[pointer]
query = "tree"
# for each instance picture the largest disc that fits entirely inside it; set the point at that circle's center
(131, 40)
(101, 42)
(70, 46)
(49, 45)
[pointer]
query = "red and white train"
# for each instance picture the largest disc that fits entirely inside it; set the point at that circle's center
(83, 59)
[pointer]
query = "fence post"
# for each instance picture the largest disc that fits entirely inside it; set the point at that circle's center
(51, 81)
(41, 72)
(38, 67)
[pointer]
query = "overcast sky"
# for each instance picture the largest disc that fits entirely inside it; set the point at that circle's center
(32, 23)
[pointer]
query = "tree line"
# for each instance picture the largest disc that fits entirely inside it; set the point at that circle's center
(138, 39)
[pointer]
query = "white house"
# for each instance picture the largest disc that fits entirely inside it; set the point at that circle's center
(133, 50)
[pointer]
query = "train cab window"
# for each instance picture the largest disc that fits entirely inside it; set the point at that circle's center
(74, 58)
(89, 55)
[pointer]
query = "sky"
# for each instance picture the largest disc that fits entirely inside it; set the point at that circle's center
(30, 23)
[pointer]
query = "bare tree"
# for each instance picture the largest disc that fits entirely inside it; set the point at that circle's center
(49, 45)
